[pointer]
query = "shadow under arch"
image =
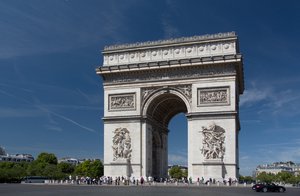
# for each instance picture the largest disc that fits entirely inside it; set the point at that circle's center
(164, 103)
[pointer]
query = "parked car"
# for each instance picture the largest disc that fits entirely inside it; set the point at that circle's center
(268, 188)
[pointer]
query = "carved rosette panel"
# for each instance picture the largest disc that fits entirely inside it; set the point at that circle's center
(213, 96)
(213, 141)
(121, 144)
(119, 102)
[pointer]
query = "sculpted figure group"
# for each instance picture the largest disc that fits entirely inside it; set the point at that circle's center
(213, 142)
(121, 144)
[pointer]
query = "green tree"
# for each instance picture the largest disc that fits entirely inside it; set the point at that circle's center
(266, 177)
(66, 168)
(285, 177)
(45, 165)
(82, 168)
(247, 179)
(12, 172)
(36, 168)
(176, 172)
(90, 168)
(96, 169)
(53, 172)
(185, 173)
(45, 157)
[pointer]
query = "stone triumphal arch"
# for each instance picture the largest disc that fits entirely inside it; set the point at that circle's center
(146, 84)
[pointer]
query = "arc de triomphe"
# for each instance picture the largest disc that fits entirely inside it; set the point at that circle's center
(146, 84)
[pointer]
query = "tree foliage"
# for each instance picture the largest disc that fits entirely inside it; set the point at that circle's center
(12, 172)
(176, 172)
(46, 165)
(247, 179)
(90, 168)
(66, 168)
(281, 177)
(45, 157)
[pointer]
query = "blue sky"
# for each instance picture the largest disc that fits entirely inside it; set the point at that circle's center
(51, 99)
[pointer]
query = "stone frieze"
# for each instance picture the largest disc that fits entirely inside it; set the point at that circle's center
(193, 72)
(213, 96)
(119, 102)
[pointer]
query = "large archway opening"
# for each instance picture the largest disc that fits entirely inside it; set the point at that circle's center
(159, 114)
(177, 141)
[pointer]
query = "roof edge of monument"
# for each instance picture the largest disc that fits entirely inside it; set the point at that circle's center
(171, 41)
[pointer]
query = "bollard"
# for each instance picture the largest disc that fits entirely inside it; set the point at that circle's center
(245, 184)
(165, 183)
(176, 183)
(198, 183)
(208, 183)
(218, 183)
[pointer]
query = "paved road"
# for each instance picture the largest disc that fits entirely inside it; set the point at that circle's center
(73, 190)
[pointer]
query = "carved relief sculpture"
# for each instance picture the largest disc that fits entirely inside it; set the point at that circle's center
(186, 90)
(121, 144)
(147, 91)
(213, 96)
(122, 102)
(213, 142)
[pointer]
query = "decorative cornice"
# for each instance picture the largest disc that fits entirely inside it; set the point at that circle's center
(171, 41)
(169, 73)
(170, 63)
(174, 49)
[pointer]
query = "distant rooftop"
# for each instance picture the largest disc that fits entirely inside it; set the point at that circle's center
(171, 41)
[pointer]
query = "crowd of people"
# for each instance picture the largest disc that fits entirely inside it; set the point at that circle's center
(121, 180)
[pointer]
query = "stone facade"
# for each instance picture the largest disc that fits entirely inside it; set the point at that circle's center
(147, 84)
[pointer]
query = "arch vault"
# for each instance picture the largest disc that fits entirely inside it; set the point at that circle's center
(147, 84)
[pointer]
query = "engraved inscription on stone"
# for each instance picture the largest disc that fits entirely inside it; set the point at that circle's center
(121, 144)
(213, 141)
(122, 102)
(213, 96)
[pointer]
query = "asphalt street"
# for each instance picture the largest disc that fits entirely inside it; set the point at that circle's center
(76, 190)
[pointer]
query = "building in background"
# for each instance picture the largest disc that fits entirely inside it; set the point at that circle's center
(69, 160)
(74, 161)
(4, 157)
(277, 167)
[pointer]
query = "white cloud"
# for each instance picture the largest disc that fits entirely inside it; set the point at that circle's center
(255, 95)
